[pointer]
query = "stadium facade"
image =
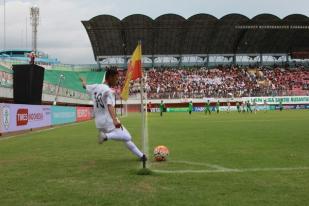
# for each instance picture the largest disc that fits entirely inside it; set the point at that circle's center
(200, 40)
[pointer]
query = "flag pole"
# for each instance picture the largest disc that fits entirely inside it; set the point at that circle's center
(142, 111)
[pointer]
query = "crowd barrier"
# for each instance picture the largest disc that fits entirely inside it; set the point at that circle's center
(19, 117)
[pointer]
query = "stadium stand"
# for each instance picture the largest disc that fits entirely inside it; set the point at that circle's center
(204, 37)
(223, 82)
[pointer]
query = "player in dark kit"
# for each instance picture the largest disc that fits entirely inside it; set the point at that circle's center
(280, 105)
(161, 108)
(249, 107)
(207, 107)
(238, 107)
(190, 107)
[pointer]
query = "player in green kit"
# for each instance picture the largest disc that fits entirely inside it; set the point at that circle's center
(161, 108)
(218, 106)
(238, 107)
(249, 107)
(280, 105)
(207, 107)
(190, 107)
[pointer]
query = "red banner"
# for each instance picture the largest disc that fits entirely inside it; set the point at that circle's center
(83, 113)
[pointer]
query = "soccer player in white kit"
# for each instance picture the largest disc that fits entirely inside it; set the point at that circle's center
(109, 126)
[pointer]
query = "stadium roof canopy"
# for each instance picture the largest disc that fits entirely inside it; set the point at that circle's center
(199, 35)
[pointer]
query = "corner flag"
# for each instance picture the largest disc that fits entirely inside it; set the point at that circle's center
(134, 71)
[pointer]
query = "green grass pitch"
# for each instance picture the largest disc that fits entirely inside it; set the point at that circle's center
(226, 159)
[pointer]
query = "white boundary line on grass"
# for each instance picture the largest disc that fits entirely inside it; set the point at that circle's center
(221, 169)
(233, 170)
(40, 130)
(213, 166)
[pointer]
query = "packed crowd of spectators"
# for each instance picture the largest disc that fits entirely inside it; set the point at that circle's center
(223, 82)
(171, 83)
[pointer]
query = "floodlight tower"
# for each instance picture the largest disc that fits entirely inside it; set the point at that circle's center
(4, 26)
(34, 15)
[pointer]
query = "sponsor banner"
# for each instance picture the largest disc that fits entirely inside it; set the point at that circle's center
(155, 110)
(17, 117)
(62, 115)
(83, 113)
(198, 109)
(259, 100)
(183, 109)
(225, 108)
(288, 107)
(276, 100)
(213, 109)
(262, 107)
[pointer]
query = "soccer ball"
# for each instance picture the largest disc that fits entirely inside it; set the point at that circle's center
(160, 153)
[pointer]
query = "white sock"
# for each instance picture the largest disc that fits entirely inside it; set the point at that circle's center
(133, 148)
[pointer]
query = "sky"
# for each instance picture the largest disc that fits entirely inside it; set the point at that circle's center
(62, 35)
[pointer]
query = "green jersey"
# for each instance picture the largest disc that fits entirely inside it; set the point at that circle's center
(207, 105)
(248, 105)
(237, 105)
(190, 106)
(161, 107)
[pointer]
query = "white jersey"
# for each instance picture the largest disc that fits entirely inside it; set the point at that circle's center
(102, 96)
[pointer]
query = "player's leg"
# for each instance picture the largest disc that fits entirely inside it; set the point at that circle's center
(133, 148)
(122, 134)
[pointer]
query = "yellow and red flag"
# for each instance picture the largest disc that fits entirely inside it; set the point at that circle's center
(134, 71)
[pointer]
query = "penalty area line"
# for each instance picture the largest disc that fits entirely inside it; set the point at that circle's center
(234, 170)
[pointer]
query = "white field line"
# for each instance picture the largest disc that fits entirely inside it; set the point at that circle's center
(40, 130)
(213, 166)
(234, 170)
